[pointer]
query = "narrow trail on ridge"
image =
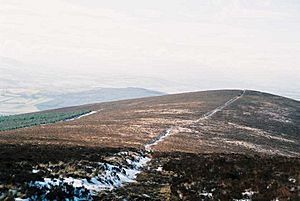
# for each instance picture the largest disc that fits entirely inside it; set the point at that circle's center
(161, 137)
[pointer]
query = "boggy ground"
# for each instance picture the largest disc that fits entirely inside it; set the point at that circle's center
(184, 176)
(168, 176)
(24, 168)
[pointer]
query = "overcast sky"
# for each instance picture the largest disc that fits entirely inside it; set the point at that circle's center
(167, 45)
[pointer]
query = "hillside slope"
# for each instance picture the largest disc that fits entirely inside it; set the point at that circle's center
(257, 122)
(227, 145)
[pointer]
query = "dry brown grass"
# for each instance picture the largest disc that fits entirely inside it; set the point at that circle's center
(254, 123)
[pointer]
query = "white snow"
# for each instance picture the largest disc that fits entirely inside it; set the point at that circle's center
(84, 115)
(292, 180)
(160, 138)
(113, 176)
(34, 171)
(147, 196)
(248, 193)
(159, 169)
(207, 194)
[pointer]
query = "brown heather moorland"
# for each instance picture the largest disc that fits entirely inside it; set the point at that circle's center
(221, 145)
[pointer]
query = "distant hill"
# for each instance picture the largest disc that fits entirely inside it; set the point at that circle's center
(18, 100)
(60, 100)
(24, 91)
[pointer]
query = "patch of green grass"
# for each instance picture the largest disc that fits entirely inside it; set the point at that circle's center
(28, 120)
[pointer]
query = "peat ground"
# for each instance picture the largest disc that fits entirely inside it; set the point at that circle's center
(183, 176)
(168, 176)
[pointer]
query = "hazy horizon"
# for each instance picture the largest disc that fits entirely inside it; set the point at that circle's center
(170, 46)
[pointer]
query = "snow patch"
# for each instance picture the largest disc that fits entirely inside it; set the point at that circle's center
(248, 193)
(292, 180)
(159, 169)
(158, 139)
(209, 195)
(84, 115)
(34, 171)
(112, 177)
(108, 177)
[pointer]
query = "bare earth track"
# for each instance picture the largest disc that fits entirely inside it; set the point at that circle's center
(207, 115)
(220, 108)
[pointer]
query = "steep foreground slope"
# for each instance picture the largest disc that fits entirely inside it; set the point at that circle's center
(227, 145)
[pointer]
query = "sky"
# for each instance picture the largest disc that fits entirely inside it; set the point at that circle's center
(165, 45)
